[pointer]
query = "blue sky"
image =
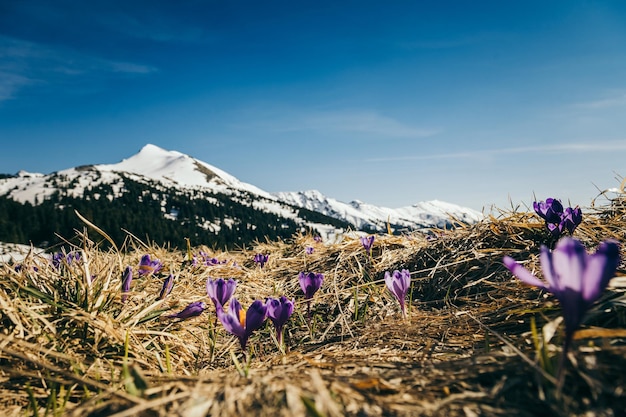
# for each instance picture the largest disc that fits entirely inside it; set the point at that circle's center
(391, 103)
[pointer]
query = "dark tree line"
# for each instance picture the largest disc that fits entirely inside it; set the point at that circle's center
(163, 215)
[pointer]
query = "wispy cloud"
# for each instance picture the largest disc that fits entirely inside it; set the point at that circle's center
(10, 84)
(612, 146)
(604, 103)
(370, 123)
(27, 63)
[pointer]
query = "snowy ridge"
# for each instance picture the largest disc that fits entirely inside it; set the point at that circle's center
(426, 214)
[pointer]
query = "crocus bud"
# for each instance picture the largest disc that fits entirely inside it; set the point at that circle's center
(398, 283)
(367, 242)
(220, 291)
(279, 311)
(261, 259)
(310, 282)
(193, 309)
(127, 278)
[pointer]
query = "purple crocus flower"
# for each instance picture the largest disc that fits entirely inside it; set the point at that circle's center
(127, 278)
(398, 283)
(73, 256)
(558, 219)
(575, 277)
(168, 284)
(317, 238)
(241, 323)
(550, 210)
(279, 311)
(309, 250)
(209, 260)
(261, 259)
(220, 291)
(192, 310)
(57, 259)
(149, 266)
(570, 219)
(310, 282)
(367, 242)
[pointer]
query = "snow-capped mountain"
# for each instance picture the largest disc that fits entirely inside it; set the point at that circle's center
(170, 168)
(426, 214)
(200, 199)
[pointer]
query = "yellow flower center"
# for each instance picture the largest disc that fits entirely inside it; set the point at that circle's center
(242, 317)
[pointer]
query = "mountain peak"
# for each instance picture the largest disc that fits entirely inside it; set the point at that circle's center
(180, 169)
(154, 150)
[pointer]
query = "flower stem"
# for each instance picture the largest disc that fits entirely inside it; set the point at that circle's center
(560, 376)
(308, 316)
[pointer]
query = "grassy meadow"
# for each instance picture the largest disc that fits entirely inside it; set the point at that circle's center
(476, 342)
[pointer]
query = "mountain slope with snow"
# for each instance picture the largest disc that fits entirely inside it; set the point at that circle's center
(187, 190)
(366, 216)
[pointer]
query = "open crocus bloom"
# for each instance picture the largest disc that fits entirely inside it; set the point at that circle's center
(575, 277)
(241, 323)
(220, 291)
(367, 242)
(149, 266)
(398, 283)
(261, 259)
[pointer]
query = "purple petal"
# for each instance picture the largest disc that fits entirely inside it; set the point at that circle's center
(255, 316)
(220, 291)
(279, 310)
(539, 208)
(571, 218)
(310, 282)
(550, 210)
(569, 260)
(522, 273)
(147, 266)
(194, 309)
(231, 319)
(555, 229)
(261, 259)
(168, 284)
(547, 266)
(127, 278)
(600, 269)
(389, 280)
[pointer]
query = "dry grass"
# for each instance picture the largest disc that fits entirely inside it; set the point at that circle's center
(70, 347)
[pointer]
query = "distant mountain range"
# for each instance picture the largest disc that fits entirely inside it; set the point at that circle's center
(167, 196)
